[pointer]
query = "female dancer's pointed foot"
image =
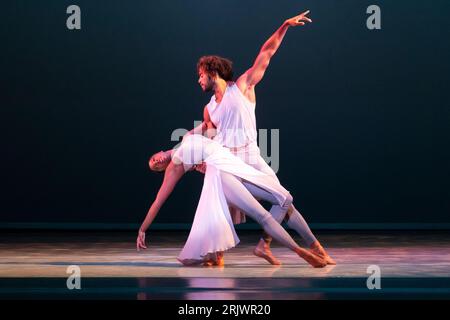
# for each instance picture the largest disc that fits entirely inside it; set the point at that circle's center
(262, 250)
(318, 250)
(217, 260)
(208, 263)
(312, 259)
(220, 261)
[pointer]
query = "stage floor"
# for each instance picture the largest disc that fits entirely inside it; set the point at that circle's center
(34, 265)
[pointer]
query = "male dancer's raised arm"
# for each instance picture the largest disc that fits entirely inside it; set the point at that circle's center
(247, 81)
(252, 76)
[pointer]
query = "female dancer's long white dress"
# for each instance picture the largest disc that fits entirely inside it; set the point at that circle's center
(212, 229)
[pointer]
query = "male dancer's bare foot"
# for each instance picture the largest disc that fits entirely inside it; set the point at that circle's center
(262, 250)
(318, 250)
(311, 258)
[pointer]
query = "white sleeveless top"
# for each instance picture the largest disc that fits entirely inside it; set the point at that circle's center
(234, 118)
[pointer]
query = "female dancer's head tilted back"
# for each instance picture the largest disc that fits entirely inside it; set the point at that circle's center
(159, 161)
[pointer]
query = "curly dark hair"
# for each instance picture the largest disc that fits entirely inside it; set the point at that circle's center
(215, 64)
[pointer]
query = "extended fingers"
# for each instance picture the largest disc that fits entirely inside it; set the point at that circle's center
(143, 242)
(304, 19)
(303, 16)
(140, 245)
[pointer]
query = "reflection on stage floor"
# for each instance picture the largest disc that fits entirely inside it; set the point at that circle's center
(34, 265)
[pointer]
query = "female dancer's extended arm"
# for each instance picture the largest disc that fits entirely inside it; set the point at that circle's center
(173, 173)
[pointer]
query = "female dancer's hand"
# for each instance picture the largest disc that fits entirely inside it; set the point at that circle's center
(201, 167)
(140, 241)
(298, 20)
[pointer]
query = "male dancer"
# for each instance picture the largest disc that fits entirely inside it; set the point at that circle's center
(231, 112)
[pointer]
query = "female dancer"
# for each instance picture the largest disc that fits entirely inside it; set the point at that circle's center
(212, 230)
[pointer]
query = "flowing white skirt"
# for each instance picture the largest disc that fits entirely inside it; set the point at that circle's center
(212, 229)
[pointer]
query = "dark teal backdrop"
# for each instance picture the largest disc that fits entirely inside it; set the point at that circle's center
(363, 115)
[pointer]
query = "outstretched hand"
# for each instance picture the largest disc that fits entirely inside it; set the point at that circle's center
(140, 241)
(299, 20)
